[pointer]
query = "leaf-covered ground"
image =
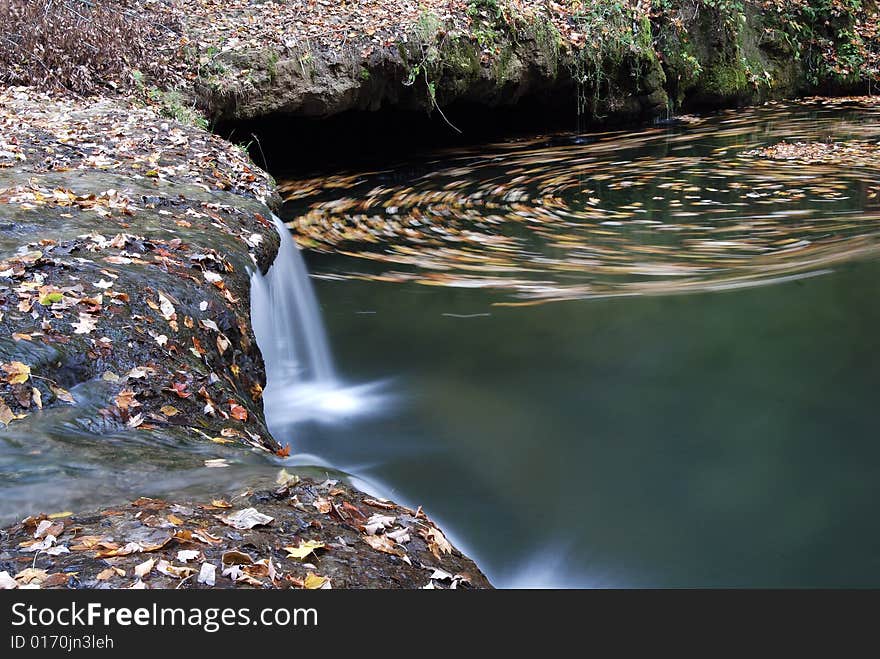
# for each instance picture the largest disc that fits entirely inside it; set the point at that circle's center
(126, 247)
(124, 257)
(296, 534)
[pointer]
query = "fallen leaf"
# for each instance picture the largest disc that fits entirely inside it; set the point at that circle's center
(109, 573)
(246, 519)
(437, 542)
(178, 572)
(378, 523)
(48, 527)
(285, 479)
(7, 582)
(180, 389)
(51, 298)
(207, 574)
(235, 557)
(6, 415)
(86, 324)
(237, 411)
(16, 372)
(165, 306)
(62, 394)
(30, 574)
(379, 504)
(143, 569)
(400, 536)
(57, 579)
(304, 549)
(315, 582)
(126, 399)
(169, 410)
(383, 544)
(43, 545)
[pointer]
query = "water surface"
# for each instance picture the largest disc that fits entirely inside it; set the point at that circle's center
(637, 358)
(688, 396)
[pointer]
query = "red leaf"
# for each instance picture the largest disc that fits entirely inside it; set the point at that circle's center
(237, 411)
(180, 389)
(283, 452)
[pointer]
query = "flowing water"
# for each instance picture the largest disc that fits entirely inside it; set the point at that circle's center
(636, 358)
(632, 359)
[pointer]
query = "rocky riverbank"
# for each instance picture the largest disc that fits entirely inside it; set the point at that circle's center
(125, 257)
(128, 232)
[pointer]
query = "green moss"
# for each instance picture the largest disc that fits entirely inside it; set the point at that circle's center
(724, 80)
(459, 59)
(502, 64)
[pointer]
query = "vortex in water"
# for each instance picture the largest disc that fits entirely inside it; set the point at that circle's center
(739, 199)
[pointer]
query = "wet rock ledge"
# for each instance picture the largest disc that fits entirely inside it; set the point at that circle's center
(126, 246)
(299, 534)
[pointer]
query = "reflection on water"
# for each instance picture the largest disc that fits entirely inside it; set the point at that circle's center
(653, 212)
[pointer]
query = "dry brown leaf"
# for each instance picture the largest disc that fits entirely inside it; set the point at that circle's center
(383, 544)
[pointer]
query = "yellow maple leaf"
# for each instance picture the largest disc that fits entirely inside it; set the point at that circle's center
(17, 373)
(304, 549)
(314, 581)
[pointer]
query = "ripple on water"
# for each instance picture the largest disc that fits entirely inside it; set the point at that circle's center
(739, 199)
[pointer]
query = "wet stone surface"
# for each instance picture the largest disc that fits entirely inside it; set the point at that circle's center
(126, 259)
(127, 244)
(294, 534)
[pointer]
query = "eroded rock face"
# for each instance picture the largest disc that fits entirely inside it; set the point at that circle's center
(126, 250)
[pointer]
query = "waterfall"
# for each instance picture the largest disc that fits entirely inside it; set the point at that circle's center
(287, 319)
(301, 381)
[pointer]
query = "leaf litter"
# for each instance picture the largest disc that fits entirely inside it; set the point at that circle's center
(386, 546)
